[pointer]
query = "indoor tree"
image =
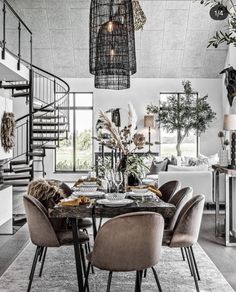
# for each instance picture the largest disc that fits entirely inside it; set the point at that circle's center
(182, 113)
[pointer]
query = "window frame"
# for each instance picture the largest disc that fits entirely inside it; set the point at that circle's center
(178, 93)
(74, 108)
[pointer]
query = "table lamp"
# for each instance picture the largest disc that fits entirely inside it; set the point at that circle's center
(230, 125)
(149, 122)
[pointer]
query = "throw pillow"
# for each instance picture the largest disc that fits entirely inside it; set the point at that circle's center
(158, 166)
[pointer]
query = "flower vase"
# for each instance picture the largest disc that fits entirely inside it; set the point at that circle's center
(223, 157)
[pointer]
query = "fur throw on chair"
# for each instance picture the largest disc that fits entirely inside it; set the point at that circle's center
(46, 192)
(8, 126)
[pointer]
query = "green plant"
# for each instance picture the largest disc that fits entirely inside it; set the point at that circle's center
(135, 165)
(228, 35)
(183, 113)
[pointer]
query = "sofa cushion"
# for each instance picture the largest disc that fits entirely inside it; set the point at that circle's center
(158, 166)
(202, 167)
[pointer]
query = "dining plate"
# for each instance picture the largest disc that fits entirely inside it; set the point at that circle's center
(116, 203)
(88, 194)
(140, 195)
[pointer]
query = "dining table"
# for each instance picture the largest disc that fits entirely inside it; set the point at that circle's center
(95, 211)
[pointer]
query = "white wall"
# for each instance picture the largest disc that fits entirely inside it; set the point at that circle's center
(145, 91)
(6, 104)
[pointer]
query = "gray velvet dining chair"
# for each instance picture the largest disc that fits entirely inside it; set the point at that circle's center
(186, 231)
(179, 199)
(129, 242)
(43, 235)
(168, 189)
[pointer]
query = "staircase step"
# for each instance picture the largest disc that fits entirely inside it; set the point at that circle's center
(47, 109)
(49, 124)
(15, 86)
(13, 176)
(20, 94)
(18, 162)
(22, 169)
(37, 154)
(17, 183)
(40, 117)
(46, 138)
(46, 146)
(47, 131)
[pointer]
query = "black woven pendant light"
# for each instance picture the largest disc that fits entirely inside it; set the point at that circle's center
(112, 57)
(112, 43)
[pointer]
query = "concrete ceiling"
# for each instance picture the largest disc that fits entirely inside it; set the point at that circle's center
(172, 44)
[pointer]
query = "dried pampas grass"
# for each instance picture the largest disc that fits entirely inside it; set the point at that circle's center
(109, 126)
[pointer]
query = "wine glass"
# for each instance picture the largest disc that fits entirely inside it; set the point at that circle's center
(118, 179)
(109, 178)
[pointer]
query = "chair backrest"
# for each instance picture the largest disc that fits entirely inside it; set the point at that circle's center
(129, 242)
(188, 224)
(179, 199)
(168, 189)
(40, 228)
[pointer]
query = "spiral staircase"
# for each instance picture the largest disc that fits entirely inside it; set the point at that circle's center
(46, 100)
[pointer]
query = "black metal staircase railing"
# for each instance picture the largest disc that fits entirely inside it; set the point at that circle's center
(8, 12)
(47, 99)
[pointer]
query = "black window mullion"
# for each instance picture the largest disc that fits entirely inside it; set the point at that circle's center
(74, 134)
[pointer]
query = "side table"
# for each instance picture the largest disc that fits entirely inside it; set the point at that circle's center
(230, 203)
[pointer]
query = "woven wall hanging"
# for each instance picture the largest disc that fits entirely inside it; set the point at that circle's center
(8, 126)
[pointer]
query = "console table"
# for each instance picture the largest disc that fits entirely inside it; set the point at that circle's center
(230, 204)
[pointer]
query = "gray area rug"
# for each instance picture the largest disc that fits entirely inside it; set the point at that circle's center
(60, 276)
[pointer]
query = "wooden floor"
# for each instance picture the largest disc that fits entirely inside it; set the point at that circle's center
(223, 257)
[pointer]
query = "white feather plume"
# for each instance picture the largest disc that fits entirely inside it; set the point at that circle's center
(132, 119)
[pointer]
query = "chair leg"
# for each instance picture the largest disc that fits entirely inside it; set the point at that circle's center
(195, 263)
(145, 273)
(86, 278)
(182, 252)
(188, 260)
(157, 280)
(34, 260)
(100, 223)
(89, 250)
(109, 282)
(41, 253)
(83, 263)
(137, 282)
(193, 269)
(141, 278)
(33, 268)
(43, 260)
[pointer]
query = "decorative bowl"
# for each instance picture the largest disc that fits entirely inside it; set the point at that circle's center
(139, 191)
(115, 196)
(88, 188)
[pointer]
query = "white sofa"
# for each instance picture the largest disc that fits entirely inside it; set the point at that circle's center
(200, 181)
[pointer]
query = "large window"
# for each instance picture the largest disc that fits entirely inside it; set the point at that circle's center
(76, 153)
(189, 146)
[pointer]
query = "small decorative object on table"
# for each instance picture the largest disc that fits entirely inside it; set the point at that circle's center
(230, 125)
(223, 152)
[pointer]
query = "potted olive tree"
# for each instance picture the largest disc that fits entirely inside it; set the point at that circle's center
(183, 113)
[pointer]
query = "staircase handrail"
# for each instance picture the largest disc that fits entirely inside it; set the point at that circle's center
(66, 88)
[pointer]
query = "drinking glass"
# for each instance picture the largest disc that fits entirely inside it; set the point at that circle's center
(118, 180)
(109, 178)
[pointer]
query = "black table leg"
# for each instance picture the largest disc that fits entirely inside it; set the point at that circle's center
(77, 255)
(94, 224)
